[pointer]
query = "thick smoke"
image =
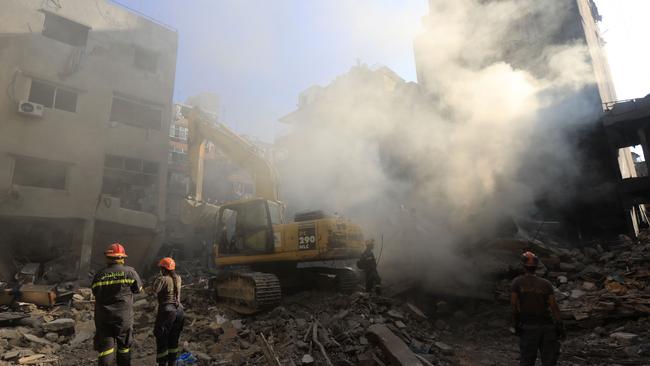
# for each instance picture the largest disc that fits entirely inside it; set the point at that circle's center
(434, 166)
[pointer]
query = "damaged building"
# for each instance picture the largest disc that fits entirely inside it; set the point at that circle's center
(594, 207)
(84, 129)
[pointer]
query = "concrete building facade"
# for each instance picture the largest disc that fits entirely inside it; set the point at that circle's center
(83, 129)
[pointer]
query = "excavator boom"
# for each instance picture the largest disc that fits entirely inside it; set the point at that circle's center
(238, 149)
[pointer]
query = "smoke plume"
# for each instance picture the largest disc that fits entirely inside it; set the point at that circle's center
(437, 165)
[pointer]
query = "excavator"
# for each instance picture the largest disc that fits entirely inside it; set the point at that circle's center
(257, 254)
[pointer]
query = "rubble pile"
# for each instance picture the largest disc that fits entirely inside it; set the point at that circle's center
(609, 284)
(603, 292)
(317, 328)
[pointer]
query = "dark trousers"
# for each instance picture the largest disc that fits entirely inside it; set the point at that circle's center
(372, 280)
(113, 342)
(169, 324)
(542, 338)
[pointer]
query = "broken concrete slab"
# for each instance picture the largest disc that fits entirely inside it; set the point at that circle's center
(395, 348)
(61, 325)
(624, 338)
(416, 311)
(16, 353)
(443, 347)
(307, 359)
(35, 339)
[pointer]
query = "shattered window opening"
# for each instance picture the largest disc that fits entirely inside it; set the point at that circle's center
(65, 30)
(134, 181)
(135, 114)
(40, 173)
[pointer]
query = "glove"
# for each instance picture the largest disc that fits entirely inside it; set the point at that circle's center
(560, 330)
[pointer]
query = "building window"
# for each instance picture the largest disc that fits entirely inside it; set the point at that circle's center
(51, 96)
(65, 30)
(135, 114)
(178, 132)
(41, 173)
(145, 59)
(134, 165)
(177, 157)
(134, 181)
(178, 149)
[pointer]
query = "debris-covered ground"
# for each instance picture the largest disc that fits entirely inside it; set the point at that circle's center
(603, 291)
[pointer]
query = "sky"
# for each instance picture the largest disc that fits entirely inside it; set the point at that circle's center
(258, 55)
(625, 29)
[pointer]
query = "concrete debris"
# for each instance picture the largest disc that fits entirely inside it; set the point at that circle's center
(61, 325)
(396, 350)
(624, 338)
(605, 304)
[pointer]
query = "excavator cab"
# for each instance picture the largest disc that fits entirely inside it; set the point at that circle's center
(245, 228)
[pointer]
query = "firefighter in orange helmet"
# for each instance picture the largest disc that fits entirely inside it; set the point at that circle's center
(113, 288)
(536, 315)
(169, 320)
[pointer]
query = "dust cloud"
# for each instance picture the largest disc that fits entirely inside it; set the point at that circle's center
(433, 167)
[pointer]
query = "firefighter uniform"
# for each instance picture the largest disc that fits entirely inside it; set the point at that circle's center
(535, 309)
(113, 288)
(170, 317)
(368, 264)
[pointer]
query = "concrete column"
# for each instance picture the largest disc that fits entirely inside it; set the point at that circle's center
(87, 243)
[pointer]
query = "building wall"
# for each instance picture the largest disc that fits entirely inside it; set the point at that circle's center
(105, 66)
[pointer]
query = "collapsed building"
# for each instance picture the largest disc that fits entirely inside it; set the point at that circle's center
(85, 121)
(594, 208)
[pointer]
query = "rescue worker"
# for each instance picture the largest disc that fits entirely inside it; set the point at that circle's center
(169, 320)
(536, 315)
(368, 264)
(113, 288)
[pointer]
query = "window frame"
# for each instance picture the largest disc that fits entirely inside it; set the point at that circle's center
(151, 106)
(56, 88)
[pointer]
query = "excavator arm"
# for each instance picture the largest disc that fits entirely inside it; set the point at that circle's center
(232, 145)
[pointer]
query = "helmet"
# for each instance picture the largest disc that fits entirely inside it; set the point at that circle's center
(529, 259)
(167, 263)
(115, 250)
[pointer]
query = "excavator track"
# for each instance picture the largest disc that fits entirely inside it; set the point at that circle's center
(347, 280)
(248, 292)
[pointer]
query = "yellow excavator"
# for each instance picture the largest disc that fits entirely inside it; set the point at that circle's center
(255, 252)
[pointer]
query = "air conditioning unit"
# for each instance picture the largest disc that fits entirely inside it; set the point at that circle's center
(31, 109)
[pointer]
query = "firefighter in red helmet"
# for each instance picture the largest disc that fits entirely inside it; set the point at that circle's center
(113, 288)
(536, 315)
(169, 320)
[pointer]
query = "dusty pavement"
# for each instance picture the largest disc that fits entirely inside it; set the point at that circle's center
(603, 291)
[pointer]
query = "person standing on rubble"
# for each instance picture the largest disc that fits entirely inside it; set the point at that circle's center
(368, 264)
(113, 288)
(169, 320)
(536, 316)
